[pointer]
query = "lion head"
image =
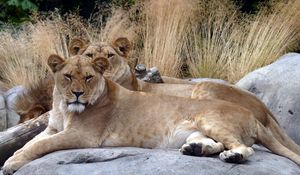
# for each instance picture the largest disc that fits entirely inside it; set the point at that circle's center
(78, 80)
(120, 48)
(115, 52)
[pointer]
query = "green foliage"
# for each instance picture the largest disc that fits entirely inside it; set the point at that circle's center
(23, 4)
(17, 11)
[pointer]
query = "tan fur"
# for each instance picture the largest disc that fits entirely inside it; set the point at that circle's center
(213, 90)
(114, 116)
(37, 102)
(172, 80)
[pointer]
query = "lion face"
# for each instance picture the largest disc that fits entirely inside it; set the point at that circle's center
(77, 79)
(103, 50)
(114, 52)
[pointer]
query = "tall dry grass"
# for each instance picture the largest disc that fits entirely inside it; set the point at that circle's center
(268, 35)
(228, 45)
(164, 30)
(214, 39)
(117, 25)
(24, 52)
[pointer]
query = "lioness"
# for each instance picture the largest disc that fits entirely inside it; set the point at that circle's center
(92, 111)
(121, 73)
(117, 53)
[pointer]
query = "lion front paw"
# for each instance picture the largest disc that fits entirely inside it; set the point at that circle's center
(12, 165)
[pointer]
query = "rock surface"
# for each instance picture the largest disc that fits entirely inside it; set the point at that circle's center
(128, 161)
(10, 97)
(8, 117)
(3, 114)
(278, 86)
(200, 80)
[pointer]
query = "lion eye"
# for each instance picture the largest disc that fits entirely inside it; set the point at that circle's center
(68, 77)
(89, 55)
(110, 55)
(88, 78)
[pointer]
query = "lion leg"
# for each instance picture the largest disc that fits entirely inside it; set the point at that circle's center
(47, 132)
(237, 151)
(41, 146)
(199, 145)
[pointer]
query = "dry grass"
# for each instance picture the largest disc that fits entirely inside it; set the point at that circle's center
(227, 46)
(268, 36)
(213, 38)
(118, 25)
(24, 52)
(20, 58)
(164, 30)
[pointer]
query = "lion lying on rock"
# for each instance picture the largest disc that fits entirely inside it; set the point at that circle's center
(117, 54)
(90, 111)
(120, 72)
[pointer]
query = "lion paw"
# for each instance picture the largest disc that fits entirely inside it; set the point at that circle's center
(12, 165)
(231, 157)
(192, 149)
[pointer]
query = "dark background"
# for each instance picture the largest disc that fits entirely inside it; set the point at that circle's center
(18, 11)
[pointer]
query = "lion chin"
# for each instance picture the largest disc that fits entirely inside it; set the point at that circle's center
(78, 108)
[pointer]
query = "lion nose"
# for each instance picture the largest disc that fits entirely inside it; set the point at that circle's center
(77, 93)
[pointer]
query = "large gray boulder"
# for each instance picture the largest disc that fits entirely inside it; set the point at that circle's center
(128, 161)
(8, 117)
(3, 114)
(278, 86)
(200, 80)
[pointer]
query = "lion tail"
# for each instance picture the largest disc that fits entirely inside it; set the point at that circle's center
(281, 135)
(267, 139)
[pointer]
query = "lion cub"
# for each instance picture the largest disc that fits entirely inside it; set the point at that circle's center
(91, 111)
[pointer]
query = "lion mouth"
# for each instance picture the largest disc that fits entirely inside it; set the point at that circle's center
(76, 103)
(76, 106)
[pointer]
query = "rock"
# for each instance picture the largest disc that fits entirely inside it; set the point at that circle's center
(10, 97)
(12, 94)
(13, 118)
(199, 80)
(8, 117)
(278, 86)
(3, 114)
(151, 76)
(128, 161)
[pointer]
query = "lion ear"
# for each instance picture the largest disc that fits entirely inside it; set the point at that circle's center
(100, 64)
(56, 63)
(122, 46)
(77, 45)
